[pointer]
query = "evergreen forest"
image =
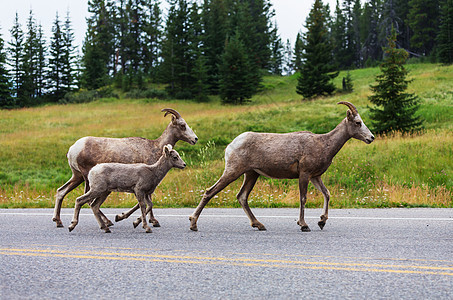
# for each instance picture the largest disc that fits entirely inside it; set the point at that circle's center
(197, 49)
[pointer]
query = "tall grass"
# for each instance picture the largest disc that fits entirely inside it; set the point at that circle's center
(393, 171)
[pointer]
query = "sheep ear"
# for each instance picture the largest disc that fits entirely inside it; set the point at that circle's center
(350, 115)
(173, 119)
(167, 149)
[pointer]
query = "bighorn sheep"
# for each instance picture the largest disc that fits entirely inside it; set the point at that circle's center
(303, 155)
(140, 179)
(90, 151)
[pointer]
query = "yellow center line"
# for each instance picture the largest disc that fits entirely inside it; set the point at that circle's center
(314, 265)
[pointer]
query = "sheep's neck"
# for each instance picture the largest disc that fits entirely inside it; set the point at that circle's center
(336, 139)
(166, 138)
(160, 168)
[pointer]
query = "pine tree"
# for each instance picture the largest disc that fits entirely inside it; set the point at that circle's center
(395, 108)
(56, 61)
(445, 36)
(152, 38)
(215, 27)
(235, 80)
(423, 21)
(28, 90)
(276, 63)
(15, 49)
(98, 47)
(6, 100)
(69, 76)
(317, 69)
(41, 67)
(372, 50)
(298, 52)
(288, 67)
(339, 38)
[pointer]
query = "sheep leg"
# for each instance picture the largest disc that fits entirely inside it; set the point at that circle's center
(303, 184)
(224, 181)
(142, 202)
(95, 207)
(71, 184)
(80, 201)
(249, 182)
(127, 214)
(149, 211)
(106, 220)
(317, 182)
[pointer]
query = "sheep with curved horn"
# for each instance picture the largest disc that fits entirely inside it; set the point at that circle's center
(89, 151)
(298, 155)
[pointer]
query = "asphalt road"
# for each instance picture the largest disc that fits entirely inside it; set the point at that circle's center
(365, 253)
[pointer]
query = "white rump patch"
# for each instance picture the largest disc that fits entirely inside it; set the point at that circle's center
(235, 144)
(74, 152)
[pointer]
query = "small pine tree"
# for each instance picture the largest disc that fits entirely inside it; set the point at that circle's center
(395, 109)
(348, 87)
(236, 78)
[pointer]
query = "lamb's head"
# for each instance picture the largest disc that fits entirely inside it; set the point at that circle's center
(179, 127)
(173, 156)
(356, 128)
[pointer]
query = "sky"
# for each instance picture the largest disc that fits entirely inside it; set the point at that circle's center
(290, 16)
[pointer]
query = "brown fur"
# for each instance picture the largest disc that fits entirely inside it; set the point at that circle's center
(302, 155)
(90, 151)
(138, 178)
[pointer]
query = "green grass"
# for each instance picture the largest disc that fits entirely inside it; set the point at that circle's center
(394, 171)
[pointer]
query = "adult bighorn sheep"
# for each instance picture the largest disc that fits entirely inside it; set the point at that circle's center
(140, 179)
(90, 151)
(303, 155)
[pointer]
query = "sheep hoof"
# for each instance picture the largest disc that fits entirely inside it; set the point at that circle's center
(136, 223)
(193, 224)
(59, 223)
(119, 218)
(71, 228)
(321, 224)
(154, 222)
(148, 230)
(109, 223)
(107, 230)
(305, 228)
(259, 226)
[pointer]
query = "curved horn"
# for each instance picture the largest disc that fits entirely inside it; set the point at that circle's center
(351, 107)
(171, 111)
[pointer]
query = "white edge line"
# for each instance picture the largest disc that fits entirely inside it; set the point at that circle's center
(244, 216)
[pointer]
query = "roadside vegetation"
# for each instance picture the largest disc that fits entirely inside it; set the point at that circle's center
(395, 171)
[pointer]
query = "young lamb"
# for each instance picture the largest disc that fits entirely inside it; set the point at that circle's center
(90, 151)
(140, 179)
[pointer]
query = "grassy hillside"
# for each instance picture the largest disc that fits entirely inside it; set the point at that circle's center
(392, 171)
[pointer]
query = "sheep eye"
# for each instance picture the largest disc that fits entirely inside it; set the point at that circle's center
(358, 123)
(183, 127)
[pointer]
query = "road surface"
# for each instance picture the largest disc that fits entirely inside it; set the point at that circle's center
(361, 253)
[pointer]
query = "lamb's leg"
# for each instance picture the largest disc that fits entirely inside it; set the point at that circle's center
(152, 219)
(105, 220)
(249, 182)
(142, 202)
(72, 183)
(149, 212)
(80, 201)
(317, 182)
(95, 207)
(303, 184)
(227, 178)
(126, 214)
